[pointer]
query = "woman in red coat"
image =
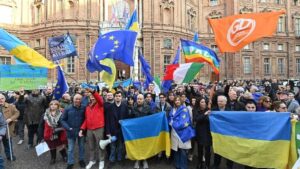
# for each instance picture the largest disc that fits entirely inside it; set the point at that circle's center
(54, 135)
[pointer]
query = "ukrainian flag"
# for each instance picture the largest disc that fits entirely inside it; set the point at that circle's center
(146, 136)
(256, 139)
(195, 52)
(133, 22)
(108, 78)
(21, 51)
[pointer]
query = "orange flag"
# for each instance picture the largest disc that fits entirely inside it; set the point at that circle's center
(234, 32)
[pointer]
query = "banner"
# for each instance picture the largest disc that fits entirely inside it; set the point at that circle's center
(61, 47)
(13, 77)
(124, 84)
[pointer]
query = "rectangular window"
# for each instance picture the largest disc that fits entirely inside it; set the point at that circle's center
(297, 48)
(298, 65)
(266, 46)
(6, 60)
(247, 65)
(267, 66)
(213, 2)
(215, 48)
(280, 47)
(37, 43)
(167, 61)
(280, 66)
(297, 27)
(71, 65)
(278, 1)
(280, 26)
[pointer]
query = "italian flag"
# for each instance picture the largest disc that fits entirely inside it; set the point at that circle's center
(182, 73)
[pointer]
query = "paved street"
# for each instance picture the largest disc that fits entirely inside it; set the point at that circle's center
(27, 159)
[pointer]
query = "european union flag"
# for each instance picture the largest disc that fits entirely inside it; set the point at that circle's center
(168, 83)
(146, 69)
(93, 64)
(61, 85)
(116, 45)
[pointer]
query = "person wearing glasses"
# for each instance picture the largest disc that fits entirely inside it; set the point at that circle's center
(280, 106)
(163, 106)
(264, 104)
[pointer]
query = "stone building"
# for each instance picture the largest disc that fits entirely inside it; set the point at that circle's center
(162, 23)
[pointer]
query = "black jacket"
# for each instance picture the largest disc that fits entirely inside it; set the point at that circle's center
(112, 117)
(201, 121)
(142, 110)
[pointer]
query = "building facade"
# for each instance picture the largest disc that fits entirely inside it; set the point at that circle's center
(163, 23)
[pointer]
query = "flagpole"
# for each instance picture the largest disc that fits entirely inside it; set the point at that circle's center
(136, 64)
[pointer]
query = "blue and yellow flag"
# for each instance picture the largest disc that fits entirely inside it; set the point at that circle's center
(108, 78)
(133, 22)
(256, 139)
(22, 52)
(146, 136)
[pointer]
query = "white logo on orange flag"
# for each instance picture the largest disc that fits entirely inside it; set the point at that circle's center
(240, 30)
(232, 33)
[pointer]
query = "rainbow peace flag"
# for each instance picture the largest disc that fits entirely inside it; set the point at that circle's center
(256, 139)
(195, 52)
(146, 136)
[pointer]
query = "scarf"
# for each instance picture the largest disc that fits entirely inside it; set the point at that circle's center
(52, 120)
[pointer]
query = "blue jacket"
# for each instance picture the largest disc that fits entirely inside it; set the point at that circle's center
(72, 118)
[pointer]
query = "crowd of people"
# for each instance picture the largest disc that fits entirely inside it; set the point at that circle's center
(86, 115)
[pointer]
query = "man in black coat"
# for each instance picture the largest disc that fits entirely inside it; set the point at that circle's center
(222, 106)
(116, 112)
(233, 104)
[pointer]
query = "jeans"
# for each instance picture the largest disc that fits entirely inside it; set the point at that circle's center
(116, 151)
(71, 146)
(7, 148)
(180, 157)
(32, 129)
(20, 127)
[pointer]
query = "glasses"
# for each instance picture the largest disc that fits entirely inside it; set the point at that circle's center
(161, 97)
(283, 107)
(267, 101)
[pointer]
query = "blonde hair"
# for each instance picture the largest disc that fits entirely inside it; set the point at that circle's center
(55, 102)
